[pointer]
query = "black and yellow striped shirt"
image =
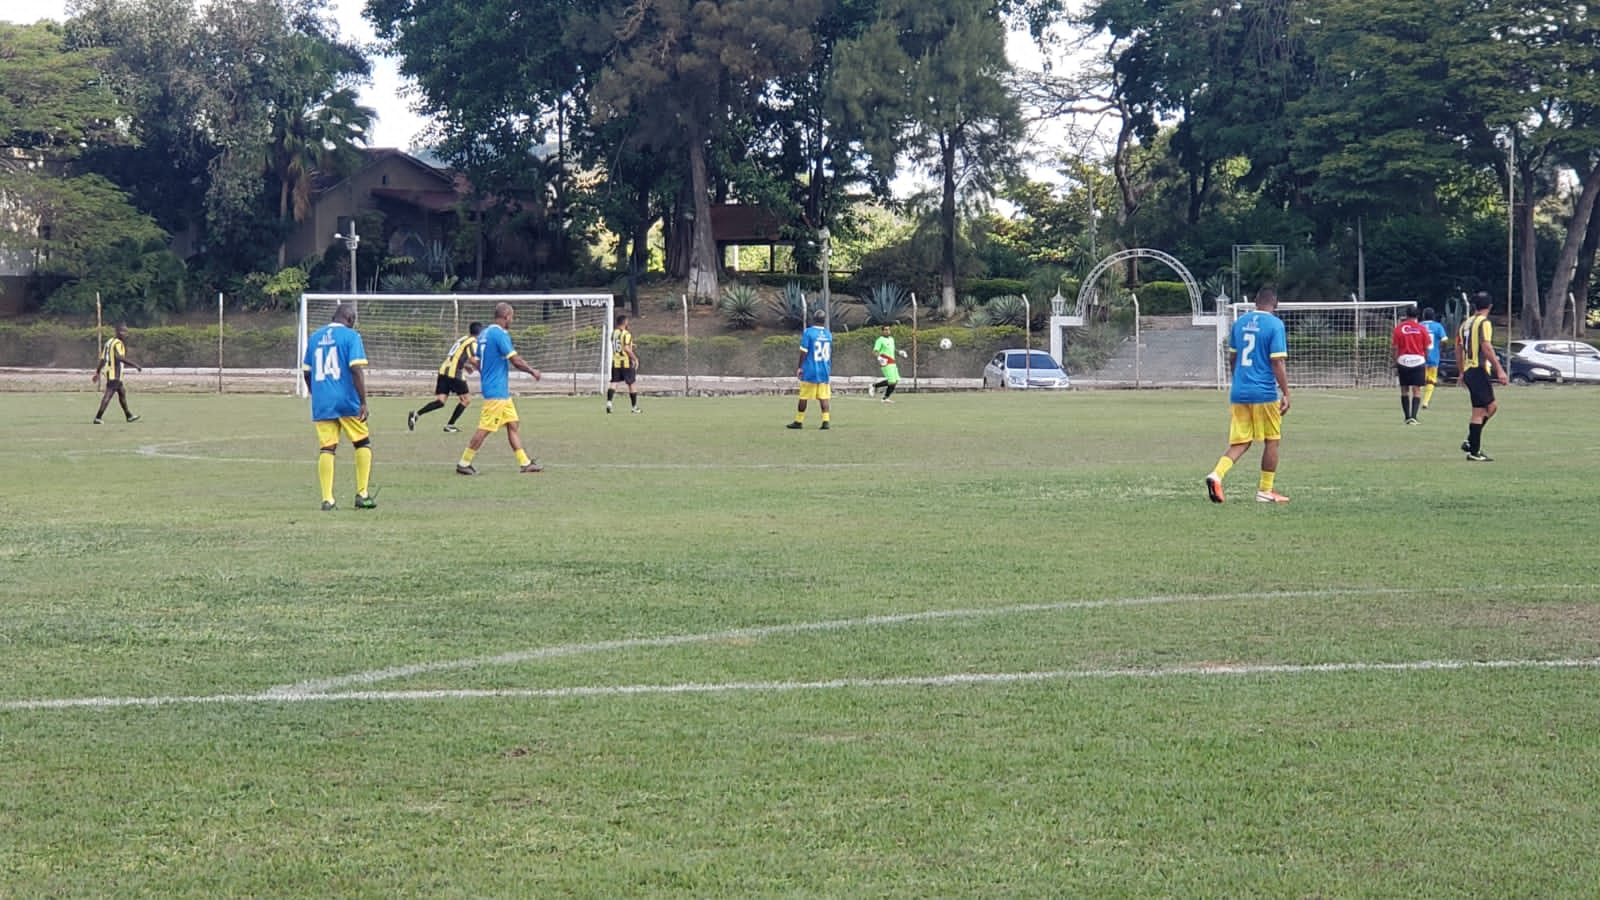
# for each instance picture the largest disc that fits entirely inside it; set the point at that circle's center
(463, 351)
(621, 349)
(111, 359)
(1475, 332)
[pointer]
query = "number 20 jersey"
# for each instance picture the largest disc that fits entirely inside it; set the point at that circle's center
(1256, 340)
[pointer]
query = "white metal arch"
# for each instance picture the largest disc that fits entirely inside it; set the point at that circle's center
(1087, 288)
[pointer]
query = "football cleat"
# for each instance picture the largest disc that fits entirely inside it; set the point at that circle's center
(1412, 422)
(636, 410)
(451, 429)
(365, 502)
(887, 400)
(1270, 497)
(1466, 447)
(608, 407)
(465, 470)
(872, 390)
(329, 506)
(133, 418)
(1479, 457)
(794, 425)
(97, 421)
(1214, 487)
(824, 427)
(531, 467)
(411, 421)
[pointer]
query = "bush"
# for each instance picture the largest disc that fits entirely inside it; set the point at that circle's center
(789, 308)
(57, 345)
(986, 289)
(1163, 298)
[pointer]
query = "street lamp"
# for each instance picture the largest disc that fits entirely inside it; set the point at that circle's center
(351, 241)
(827, 250)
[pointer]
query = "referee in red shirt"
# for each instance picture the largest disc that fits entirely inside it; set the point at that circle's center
(1410, 340)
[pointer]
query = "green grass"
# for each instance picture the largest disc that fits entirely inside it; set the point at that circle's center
(790, 610)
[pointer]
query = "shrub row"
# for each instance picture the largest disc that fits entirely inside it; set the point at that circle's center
(55, 345)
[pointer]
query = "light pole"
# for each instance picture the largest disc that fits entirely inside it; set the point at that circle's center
(827, 250)
(351, 241)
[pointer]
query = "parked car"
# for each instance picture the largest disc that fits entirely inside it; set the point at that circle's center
(1519, 369)
(1024, 369)
(1564, 360)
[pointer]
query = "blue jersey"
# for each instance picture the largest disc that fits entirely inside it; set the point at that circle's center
(1436, 336)
(331, 352)
(494, 361)
(1256, 340)
(817, 342)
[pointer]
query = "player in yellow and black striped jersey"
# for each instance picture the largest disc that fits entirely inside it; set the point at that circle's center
(462, 359)
(624, 364)
(113, 359)
(1480, 370)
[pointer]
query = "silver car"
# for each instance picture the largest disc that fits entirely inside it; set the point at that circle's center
(1024, 369)
(1568, 360)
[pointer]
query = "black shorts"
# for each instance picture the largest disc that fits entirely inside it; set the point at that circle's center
(1412, 376)
(1479, 387)
(113, 384)
(624, 375)
(444, 384)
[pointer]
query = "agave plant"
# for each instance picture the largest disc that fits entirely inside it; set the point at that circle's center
(1007, 309)
(790, 308)
(740, 306)
(886, 305)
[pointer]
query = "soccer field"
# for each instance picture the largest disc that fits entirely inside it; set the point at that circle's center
(964, 645)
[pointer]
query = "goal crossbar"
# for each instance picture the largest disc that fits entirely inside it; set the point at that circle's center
(567, 335)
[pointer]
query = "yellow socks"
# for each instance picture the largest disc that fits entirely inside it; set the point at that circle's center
(467, 455)
(522, 457)
(1223, 465)
(1266, 480)
(363, 469)
(325, 475)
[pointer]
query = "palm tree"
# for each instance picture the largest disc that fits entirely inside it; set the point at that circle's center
(318, 128)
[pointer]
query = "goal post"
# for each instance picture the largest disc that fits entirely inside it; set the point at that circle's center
(566, 336)
(1336, 343)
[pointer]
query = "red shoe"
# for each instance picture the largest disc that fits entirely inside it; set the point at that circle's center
(1214, 487)
(1270, 497)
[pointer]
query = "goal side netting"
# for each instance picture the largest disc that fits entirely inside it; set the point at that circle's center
(1336, 343)
(566, 336)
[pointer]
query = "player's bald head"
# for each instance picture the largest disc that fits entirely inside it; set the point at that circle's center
(503, 311)
(345, 314)
(1266, 298)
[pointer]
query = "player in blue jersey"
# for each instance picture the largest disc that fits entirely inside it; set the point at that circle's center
(334, 369)
(1257, 349)
(1437, 334)
(814, 368)
(496, 357)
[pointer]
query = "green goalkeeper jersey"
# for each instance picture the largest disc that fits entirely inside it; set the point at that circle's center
(884, 348)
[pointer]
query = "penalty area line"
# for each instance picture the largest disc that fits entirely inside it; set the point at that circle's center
(732, 687)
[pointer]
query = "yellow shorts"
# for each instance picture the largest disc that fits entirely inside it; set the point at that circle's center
(1255, 422)
(497, 414)
(1431, 374)
(809, 391)
(328, 430)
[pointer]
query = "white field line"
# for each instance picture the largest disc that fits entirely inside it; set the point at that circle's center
(330, 689)
(931, 681)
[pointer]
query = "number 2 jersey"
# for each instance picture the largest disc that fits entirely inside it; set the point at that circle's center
(1256, 340)
(331, 352)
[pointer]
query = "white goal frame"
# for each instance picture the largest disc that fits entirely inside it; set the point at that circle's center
(434, 321)
(1357, 335)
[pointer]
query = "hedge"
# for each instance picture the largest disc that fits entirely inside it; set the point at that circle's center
(55, 345)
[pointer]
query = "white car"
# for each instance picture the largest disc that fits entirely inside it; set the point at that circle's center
(1568, 360)
(1024, 369)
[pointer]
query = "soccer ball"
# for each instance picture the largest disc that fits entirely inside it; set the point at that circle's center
(944, 344)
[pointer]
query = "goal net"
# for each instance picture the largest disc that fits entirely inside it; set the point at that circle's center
(1336, 343)
(565, 336)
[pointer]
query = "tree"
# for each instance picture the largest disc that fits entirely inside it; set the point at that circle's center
(928, 80)
(317, 125)
(684, 73)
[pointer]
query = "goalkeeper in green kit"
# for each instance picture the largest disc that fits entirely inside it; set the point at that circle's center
(883, 348)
